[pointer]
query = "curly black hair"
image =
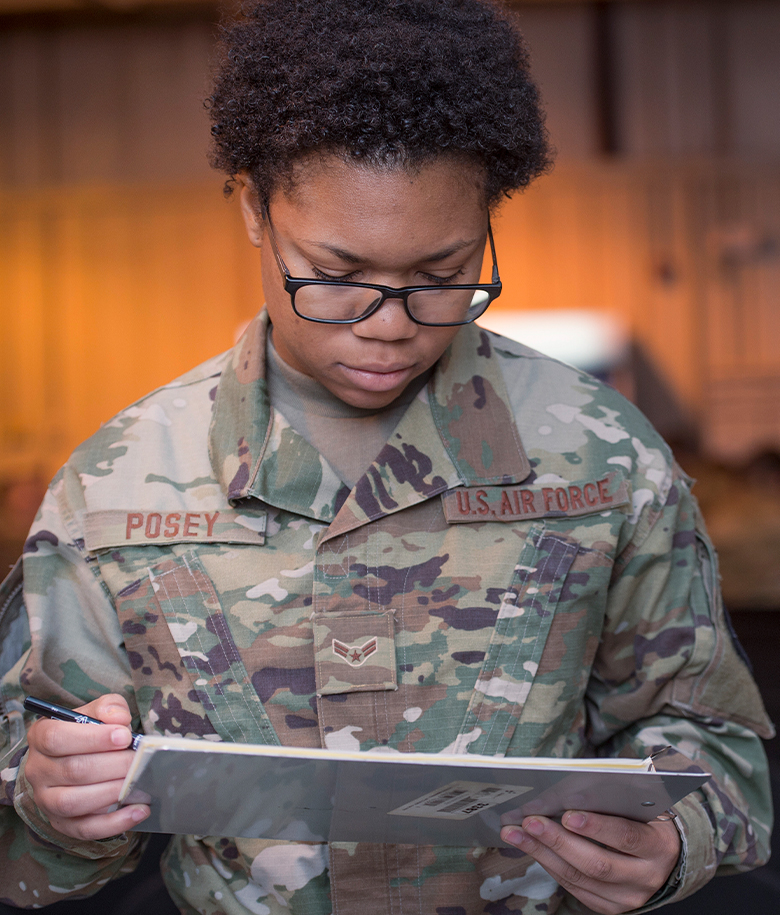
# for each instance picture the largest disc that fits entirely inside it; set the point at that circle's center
(377, 81)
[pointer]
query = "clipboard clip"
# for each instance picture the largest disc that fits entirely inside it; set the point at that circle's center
(667, 814)
(662, 751)
(656, 755)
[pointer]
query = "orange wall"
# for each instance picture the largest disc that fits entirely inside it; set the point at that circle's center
(105, 295)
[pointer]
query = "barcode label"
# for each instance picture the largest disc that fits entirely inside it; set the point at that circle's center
(459, 800)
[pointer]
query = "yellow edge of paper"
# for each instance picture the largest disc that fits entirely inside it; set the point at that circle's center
(159, 742)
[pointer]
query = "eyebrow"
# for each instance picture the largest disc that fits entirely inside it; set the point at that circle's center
(351, 258)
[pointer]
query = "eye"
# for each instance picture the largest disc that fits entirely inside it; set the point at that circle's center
(345, 278)
(442, 280)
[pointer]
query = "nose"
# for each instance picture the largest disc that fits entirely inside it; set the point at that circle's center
(389, 322)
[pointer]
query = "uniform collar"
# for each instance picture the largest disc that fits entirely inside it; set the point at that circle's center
(460, 430)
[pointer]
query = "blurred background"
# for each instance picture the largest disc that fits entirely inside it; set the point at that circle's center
(651, 254)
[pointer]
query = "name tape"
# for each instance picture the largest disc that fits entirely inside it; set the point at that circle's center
(104, 529)
(520, 503)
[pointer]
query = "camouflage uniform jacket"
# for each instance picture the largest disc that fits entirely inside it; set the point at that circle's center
(523, 548)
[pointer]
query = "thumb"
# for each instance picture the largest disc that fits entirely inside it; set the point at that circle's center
(111, 708)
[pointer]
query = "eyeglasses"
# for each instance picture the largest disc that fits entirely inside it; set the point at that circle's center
(341, 302)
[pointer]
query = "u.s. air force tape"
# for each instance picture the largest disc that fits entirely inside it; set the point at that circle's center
(520, 503)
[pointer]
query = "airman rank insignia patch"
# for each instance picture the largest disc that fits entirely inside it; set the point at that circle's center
(354, 655)
(471, 504)
(354, 651)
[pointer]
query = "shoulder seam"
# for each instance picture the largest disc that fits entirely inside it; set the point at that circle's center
(176, 384)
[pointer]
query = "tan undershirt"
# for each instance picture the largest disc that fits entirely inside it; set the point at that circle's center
(349, 438)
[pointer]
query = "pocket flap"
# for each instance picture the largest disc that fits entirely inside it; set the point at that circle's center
(354, 651)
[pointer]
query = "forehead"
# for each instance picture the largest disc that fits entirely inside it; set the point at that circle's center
(311, 177)
(345, 198)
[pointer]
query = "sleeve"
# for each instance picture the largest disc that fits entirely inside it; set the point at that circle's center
(76, 654)
(669, 671)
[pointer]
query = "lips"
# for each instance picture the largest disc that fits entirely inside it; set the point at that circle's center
(378, 377)
(377, 368)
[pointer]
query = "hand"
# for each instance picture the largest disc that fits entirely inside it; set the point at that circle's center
(76, 771)
(631, 862)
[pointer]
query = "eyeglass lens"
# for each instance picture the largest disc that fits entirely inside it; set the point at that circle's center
(431, 306)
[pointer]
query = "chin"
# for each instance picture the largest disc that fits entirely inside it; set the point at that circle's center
(367, 400)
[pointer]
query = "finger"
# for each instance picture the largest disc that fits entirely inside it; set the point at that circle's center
(605, 880)
(82, 769)
(102, 825)
(110, 708)
(573, 858)
(577, 852)
(73, 801)
(63, 738)
(556, 868)
(657, 840)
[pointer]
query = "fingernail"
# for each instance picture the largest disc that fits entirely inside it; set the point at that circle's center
(575, 820)
(534, 827)
(120, 737)
(138, 813)
(514, 836)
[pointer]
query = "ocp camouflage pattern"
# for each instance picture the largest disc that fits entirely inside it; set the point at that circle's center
(522, 570)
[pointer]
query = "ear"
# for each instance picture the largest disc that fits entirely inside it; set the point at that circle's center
(250, 209)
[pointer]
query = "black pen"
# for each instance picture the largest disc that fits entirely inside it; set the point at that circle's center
(60, 713)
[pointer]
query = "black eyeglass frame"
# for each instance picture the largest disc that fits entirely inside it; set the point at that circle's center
(292, 284)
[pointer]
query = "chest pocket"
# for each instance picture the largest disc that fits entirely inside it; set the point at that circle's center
(188, 672)
(522, 627)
